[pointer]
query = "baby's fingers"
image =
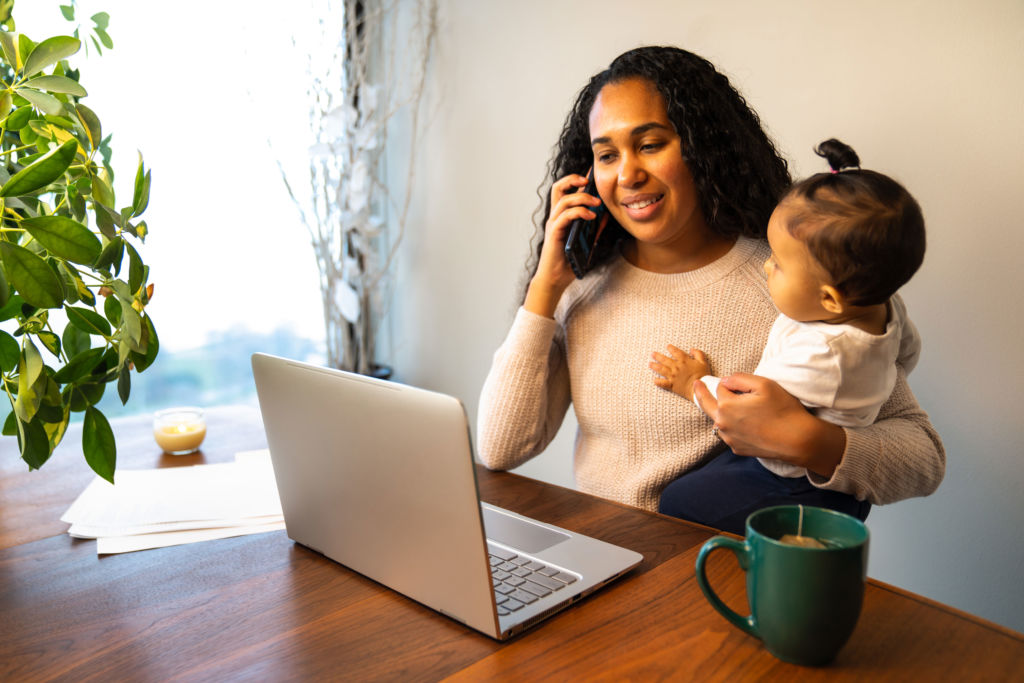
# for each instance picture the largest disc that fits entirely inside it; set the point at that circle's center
(663, 383)
(677, 352)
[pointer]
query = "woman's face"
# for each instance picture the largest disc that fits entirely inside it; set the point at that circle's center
(639, 168)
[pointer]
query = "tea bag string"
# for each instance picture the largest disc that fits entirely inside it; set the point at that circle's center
(800, 522)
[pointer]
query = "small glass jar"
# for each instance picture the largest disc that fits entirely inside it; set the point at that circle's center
(179, 431)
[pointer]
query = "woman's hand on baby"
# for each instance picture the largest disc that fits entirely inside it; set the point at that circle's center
(678, 370)
(554, 274)
(757, 417)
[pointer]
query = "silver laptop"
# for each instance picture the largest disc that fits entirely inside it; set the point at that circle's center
(379, 476)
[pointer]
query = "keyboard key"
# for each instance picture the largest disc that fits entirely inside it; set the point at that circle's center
(499, 598)
(564, 578)
(547, 582)
(504, 588)
(502, 611)
(523, 596)
(520, 560)
(500, 552)
(521, 571)
(515, 581)
(547, 571)
(534, 566)
(508, 566)
(535, 588)
(512, 605)
(500, 574)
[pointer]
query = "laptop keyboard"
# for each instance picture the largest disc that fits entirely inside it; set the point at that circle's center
(519, 580)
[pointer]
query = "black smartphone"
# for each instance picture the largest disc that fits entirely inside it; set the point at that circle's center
(581, 244)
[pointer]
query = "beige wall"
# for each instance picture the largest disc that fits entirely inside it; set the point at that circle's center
(930, 92)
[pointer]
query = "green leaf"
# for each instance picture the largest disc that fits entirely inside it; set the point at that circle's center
(136, 269)
(61, 84)
(30, 368)
(25, 46)
(124, 384)
(10, 352)
(75, 282)
(102, 191)
(104, 38)
(80, 365)
(11, 308)
(41, 172)
(105, 223)
(85, 395)
(152, 341)
(142, 181)
(90, 123)
(19, 118)
(5, 289)
(31, 276)
(49, 52)
(10, 425)
(132, 325)
(57, 424)
(111, 255)
(6, 102)
(75, 341)
(44, 102)
(88, 321)
(68, 11)
(10, 49)
(98, 444)
(65, 238)
(51, 341)
(35, 446)
(112, 309)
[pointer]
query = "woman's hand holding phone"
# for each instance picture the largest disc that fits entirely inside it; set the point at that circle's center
(553, 271)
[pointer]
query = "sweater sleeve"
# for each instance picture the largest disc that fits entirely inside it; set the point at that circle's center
(899, 456)
(525, 395)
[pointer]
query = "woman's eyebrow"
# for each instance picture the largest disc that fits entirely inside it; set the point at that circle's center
(639, 130)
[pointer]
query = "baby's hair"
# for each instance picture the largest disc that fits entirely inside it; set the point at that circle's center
(863, 227)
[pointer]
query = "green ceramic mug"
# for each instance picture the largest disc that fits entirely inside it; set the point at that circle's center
(804, 601)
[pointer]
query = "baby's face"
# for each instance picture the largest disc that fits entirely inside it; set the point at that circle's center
(795, 278)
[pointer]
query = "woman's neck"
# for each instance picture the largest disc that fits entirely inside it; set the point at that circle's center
(678, 257)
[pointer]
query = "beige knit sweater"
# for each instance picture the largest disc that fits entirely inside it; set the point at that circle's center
(634, 438)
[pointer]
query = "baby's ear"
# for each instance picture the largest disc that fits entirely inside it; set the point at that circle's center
(831, 300)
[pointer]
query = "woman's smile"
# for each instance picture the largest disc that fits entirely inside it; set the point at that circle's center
(643, 206)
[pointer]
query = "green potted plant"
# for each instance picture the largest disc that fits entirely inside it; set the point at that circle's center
(73, 286)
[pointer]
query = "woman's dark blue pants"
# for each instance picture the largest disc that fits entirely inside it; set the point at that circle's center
(723, 493)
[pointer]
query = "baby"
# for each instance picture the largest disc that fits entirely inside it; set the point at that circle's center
(842, 244)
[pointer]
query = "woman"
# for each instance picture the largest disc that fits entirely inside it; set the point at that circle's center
(685, 169)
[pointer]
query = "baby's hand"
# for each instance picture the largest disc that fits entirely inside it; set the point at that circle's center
(679, 370)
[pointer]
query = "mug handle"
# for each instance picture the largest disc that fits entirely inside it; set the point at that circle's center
(741, 550)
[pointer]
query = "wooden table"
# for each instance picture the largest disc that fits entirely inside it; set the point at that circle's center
(263, 608)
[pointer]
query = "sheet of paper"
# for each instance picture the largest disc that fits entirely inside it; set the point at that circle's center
(178, 494)
(87, 531)
(110, 545)
(176, 505)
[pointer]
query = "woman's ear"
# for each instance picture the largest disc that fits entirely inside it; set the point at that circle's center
(831, 300)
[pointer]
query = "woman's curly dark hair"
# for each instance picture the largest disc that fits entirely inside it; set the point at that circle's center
(738, 173)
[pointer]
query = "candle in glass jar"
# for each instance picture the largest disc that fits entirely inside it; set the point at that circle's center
(179, 431)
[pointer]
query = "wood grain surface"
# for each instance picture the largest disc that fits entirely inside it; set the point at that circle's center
(262, 608)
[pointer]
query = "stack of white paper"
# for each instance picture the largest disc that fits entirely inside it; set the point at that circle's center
(171, 506)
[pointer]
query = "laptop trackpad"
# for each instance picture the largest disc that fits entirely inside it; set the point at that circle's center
(519, 533)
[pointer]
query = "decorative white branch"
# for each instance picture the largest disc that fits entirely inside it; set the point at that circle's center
(355, 219)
